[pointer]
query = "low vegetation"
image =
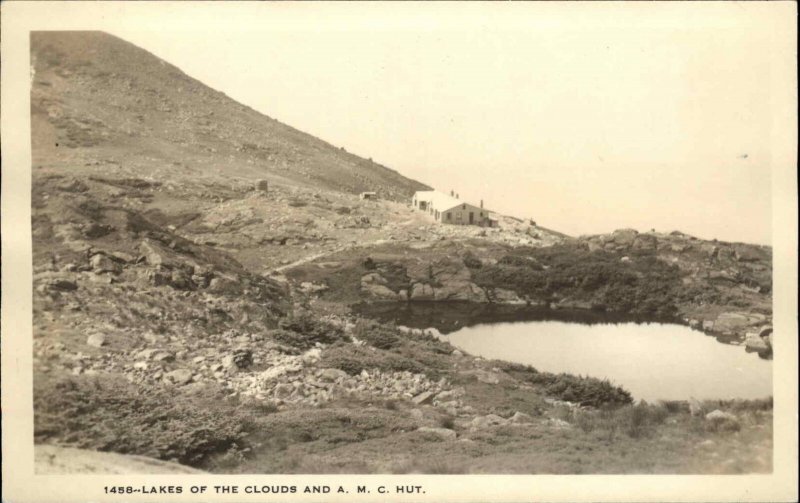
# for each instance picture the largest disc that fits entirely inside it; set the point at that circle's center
(303, 330)
(586, 391)
(642, 284)
(108, 413)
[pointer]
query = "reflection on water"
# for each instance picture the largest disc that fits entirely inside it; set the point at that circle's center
(653, 361)
(447, 317)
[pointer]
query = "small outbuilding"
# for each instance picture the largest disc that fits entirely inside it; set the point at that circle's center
(371, 196)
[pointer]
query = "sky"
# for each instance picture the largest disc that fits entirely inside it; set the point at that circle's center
(585, 117)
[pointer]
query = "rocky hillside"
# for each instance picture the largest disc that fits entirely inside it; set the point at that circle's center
(185, 310)
(102, 105)
(723, 289)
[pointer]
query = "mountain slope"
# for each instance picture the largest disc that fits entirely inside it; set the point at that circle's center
(98, 99)
(181, 312)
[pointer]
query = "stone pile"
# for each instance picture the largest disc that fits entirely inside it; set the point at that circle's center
(301, 385)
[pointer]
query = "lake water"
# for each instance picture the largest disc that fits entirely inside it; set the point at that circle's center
(654, 361)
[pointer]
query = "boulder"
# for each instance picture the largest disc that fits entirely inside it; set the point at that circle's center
(559, 424)
(447, 395)
(487, 377)
(309, 287)
(96, 340)
(73, 185)
(421, 291)
(731, 322)
(710, 250)
(719, 416)
(460, 291)
(747, 253)
(181, 280)
(695, 407)
(443, 433)
(423, 398)
(283, 390)
(379, 291)
(450, 270)
(179, 376)
(594, 246)
(521, 417)
(311, 356)
(279, 370)
(101, 263)
(223, 285)
(373, 277)
(488, 421)
(754, 342)
(331, 375)
(155, 254)
(624, 237)
(163, 356)
(504, 296)
(645, 242)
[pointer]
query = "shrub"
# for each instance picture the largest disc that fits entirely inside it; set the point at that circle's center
(644, 285)
(587, 391)
(636, 421)
(471, 261)
(675, 406)
(108, 413)
(447, 421)
(307, 331)
(377, 335)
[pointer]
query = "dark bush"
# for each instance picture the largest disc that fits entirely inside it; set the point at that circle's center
(587, 391)
(447, 421)
(471, 261)
(377, 335)
(642, 285)
(108, 413)
(308, 330)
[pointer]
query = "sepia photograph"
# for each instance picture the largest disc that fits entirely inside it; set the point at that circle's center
(448, 240)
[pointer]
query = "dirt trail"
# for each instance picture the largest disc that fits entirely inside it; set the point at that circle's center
(309, 258)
